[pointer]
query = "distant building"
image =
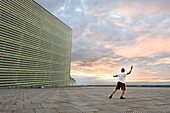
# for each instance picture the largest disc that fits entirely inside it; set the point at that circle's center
(35, 46)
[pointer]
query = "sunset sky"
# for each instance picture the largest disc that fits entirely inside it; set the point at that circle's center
(111, 34)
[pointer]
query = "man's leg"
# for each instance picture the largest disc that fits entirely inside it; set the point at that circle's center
(123, 94)
(123, 87)
(113, 93)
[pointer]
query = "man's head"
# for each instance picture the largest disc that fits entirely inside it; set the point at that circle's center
(123, 70)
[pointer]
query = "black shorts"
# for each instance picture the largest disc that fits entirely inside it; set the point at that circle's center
(121, 85)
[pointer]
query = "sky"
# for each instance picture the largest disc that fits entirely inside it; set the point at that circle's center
(112, 34)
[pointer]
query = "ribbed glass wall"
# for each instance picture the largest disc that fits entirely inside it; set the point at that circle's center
(35, 46)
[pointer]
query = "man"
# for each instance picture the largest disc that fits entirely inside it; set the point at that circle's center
(121, 82)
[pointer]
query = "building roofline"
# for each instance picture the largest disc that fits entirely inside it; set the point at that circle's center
(52, 14)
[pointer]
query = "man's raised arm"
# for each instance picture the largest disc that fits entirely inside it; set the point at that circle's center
(130, 70)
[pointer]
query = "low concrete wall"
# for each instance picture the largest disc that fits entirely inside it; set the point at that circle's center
(16, 87)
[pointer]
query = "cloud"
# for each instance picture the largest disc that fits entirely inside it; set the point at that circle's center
(162, 61)
(102, 67)
(86, 51)
(131, 10)
(146, 47)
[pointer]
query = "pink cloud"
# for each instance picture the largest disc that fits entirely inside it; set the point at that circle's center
(98, 11)
(139, 9)
(162, 60)
(146, 47)
(117, 22)
(104, 66)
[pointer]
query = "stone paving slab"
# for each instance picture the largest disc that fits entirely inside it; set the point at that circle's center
(85, 100)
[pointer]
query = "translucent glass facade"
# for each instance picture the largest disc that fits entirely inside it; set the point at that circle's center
(35, 46)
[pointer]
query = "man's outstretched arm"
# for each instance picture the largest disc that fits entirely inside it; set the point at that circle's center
(115, 75)
(130, 70)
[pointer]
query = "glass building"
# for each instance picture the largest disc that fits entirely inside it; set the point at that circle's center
(35, 46)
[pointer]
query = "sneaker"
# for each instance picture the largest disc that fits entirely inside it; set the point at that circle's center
(122, 97)
(110, 96)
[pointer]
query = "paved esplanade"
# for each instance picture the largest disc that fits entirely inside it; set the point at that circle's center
(84, 99)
